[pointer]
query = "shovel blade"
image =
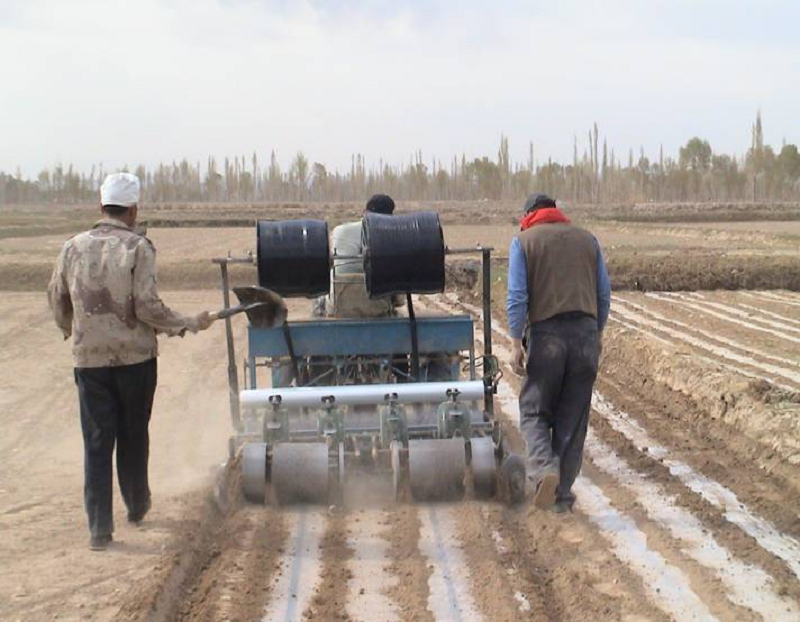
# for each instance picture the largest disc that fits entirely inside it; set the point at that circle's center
(265, 308)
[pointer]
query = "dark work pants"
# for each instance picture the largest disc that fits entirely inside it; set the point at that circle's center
(556, 396)
(115, 408)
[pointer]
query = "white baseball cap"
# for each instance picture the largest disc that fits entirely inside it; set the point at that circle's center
(120, 189)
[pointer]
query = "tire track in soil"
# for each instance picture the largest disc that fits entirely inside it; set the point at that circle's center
(409, 568)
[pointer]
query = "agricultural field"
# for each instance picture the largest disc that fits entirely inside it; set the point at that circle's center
(686, 503)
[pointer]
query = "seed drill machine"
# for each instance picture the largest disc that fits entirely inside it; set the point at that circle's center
(403, 395)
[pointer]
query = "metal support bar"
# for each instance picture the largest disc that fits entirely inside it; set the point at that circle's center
(487, 316)
(233, 376)
(412, 318)
(287, 335)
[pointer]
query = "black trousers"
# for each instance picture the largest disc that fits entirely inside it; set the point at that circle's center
(115, 407)
(556, 397)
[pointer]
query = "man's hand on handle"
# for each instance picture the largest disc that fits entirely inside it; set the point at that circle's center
(204, 320)
(517, 357)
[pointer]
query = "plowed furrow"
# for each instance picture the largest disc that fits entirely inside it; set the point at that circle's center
(744, 584)
(409, 568)
(760, 316)
(499, 576)
(780, 365)
(450, 592)
(779, 544)
(298, 571)
(628, 543)
(781, 299)
(371, 580)
(667, 501)
(762, 370)
(746, 589)
(771, 328)
(333, 585)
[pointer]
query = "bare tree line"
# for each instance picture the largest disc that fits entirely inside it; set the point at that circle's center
(596, 175)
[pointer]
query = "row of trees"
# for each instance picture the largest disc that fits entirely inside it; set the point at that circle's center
(595, 175)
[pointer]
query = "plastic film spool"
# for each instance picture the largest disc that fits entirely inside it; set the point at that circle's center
(293, 257)
(403, 254)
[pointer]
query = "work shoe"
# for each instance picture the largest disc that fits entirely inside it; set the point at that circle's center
(561, 507)
(137, 516)
(100, 543)
(545, 495)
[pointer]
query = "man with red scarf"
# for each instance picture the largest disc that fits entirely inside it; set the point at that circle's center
(559, 296)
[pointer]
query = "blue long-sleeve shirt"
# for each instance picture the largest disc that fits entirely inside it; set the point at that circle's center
(518, 295)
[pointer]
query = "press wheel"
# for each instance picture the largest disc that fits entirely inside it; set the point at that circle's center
(484, 467)
(300, 473)
(436, 469)
(254, 472)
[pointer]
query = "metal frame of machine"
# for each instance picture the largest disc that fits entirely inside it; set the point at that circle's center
(346, 395)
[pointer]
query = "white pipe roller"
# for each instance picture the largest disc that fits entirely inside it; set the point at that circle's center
(364, 394)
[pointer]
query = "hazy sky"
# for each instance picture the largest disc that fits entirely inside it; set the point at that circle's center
(155, 80)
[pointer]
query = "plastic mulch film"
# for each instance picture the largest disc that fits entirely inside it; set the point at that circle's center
(403, 254)
(294, 257)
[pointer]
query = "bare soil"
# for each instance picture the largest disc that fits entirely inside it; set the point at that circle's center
(196, 557)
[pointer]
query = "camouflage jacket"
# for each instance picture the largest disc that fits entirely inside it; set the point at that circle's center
(103, 293)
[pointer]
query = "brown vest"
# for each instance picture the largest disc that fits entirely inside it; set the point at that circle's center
(562, 270)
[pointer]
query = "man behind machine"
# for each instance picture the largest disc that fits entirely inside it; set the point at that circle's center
(348, 297)
(103, 294)
(558, 285)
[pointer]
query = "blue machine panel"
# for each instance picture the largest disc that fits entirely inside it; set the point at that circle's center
(363, 337)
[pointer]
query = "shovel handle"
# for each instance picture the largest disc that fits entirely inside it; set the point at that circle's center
(221, 315)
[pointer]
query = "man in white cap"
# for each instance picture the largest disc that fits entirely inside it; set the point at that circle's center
(103, 293)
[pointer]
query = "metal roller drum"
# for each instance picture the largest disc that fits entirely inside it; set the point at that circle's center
(300, 472)
(254, 471)
(484, 467)
(436, 469)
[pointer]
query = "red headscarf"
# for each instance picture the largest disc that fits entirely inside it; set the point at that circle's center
(541, 216)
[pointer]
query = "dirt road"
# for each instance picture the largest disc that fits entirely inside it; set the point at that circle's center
(684, 510)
